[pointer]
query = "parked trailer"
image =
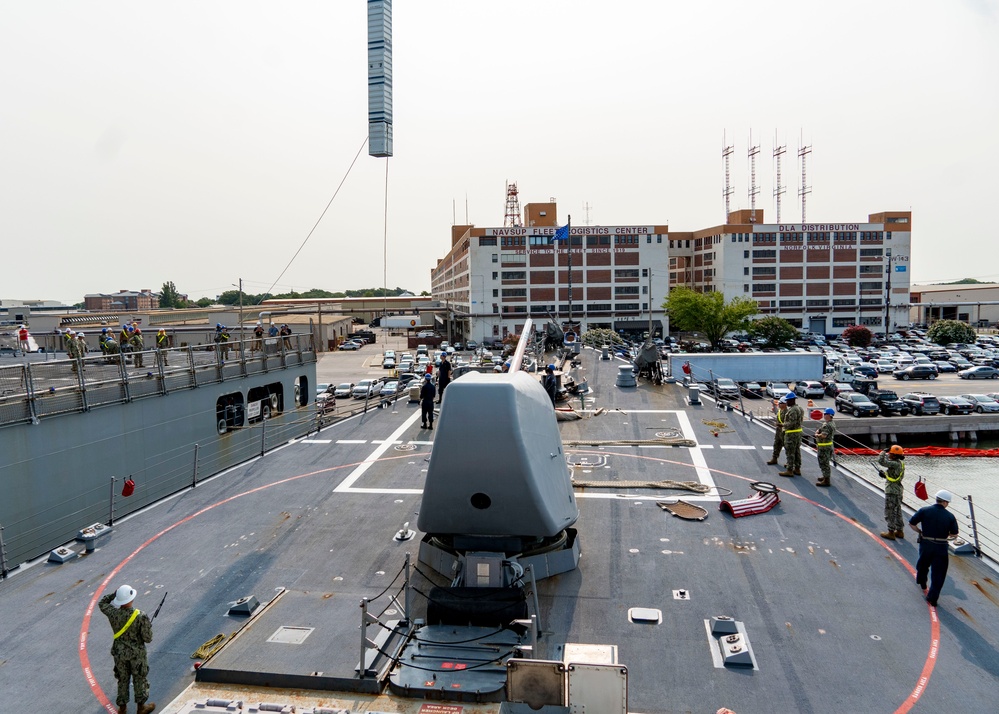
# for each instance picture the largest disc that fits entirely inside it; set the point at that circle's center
(752, 367)
(404, 322)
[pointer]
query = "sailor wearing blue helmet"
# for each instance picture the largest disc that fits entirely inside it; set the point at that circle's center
(824, 437)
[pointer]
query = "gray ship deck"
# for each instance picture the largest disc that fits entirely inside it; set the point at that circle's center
(832, 613)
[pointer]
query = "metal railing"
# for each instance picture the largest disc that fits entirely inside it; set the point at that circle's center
(35, 390)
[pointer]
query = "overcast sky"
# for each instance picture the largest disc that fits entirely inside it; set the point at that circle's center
(199, 142)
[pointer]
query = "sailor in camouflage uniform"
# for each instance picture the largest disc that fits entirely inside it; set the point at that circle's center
(894, 462)
(824, 436)
(779, 414)
(132, 630)
(792, 436)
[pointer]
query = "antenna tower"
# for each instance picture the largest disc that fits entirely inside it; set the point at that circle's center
(512, 218)
(586, 208)
(754, 190)
(805, 189)
(727, 193)
(780, 189)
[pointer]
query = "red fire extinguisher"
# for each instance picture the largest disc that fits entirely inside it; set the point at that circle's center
(128, 488)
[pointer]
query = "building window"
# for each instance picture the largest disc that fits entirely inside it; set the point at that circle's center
(487, 240)
(645, 272)
(514, 292)
(844, 302)
(745, 288)
(645, 290)
(659, 239)
(764, 270)
(495, 258)
(627, 306)
(495, 293)
(599, 307)
(626, 290)
(816, 303)
(843, 321)
(745, 254)
(625, 273)
(790, 303)
(495, 275)
(733, 238)
(515, 275)
(871, 252)
(764, 287)
(870, 269)
(869, 302)
(870, 286)
(515, 258)
(766, 253)
(745, 271)
(871, 321)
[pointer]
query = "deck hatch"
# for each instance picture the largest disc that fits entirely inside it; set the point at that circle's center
(645, 615)
(290, 635)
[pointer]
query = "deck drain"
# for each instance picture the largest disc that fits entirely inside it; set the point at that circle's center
(406, 447)
(588, 461)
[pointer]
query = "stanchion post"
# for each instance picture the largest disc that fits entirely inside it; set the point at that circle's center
(263, 432)
(111, 509)
(194, 477)
(974, 526)
(407, 598)
(3, 557)
(361, 667)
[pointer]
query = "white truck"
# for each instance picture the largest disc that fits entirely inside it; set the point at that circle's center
(400, 322)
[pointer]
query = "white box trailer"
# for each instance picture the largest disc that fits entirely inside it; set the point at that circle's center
(749, 367)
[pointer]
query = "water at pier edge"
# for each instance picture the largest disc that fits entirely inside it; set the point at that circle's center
(976, 476)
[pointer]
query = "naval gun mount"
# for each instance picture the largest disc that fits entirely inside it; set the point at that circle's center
(498, 494)
(497, 512)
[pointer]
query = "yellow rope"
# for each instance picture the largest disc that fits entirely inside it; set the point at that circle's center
(211, 647)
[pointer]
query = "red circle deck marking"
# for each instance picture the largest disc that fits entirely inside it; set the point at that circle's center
(932, 653)
(85, 625)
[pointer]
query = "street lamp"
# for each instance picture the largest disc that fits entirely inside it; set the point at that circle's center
(240, 286)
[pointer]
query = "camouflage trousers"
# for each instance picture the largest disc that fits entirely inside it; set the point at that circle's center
(893, 511)
(825, 461)
(778, 444)
(137, 670)
(792, 444)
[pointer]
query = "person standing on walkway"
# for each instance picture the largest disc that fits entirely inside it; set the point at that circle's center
(550, 383)
(824, 437)
(939, 527)
(22, 340)
(162, 345)
(792, 436)
(893, 460)
(780, 411)
(132, 631)
(136, 341)
(258, 341)
(427, 394)
(443, 376)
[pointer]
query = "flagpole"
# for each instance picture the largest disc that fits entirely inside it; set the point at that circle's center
(568, 240)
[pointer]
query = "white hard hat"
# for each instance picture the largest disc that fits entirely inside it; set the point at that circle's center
(124, 595)
(944, 496)
(80, 334)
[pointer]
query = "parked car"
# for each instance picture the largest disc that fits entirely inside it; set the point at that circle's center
(777, 390)
(725, 388)
(888, 402)
(915, 371)
(955, 405)
(884, 366)
(388, 363)
(752, 390)
(472, 345)
(834, 389)
(944, 366)
(856, 404)
(390, 388)
(809, 389)
(343, 390)
(321, 387)
(921, 403)
(349, 345)
(866, 370)
(980, 372)
(982, 402)
(364, 388)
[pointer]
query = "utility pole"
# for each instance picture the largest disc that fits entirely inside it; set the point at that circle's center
(241, 314)
(650, 304)
(568, 242)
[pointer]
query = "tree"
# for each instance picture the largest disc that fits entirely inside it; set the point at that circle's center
(944, 332)
(708, 313)
(777, 331)
(857, 336)
(205, 302)
(169, 297)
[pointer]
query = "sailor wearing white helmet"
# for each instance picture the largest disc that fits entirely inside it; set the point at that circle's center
(938, 527)
(132, 630)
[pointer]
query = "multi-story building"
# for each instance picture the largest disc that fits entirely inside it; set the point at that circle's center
(974, 303)
(122, 300)
(492, 279)
(822, 277)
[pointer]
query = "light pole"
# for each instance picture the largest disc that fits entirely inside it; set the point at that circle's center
(240, 286)
(888, 293)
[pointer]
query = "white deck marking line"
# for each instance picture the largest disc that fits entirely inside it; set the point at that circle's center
(627, 495)
(346, 484)
(380, 441)
(316, 441)
(352, 441)
(696, 455)
(750, 447)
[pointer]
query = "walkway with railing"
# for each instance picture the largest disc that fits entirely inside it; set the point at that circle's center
(35, 390)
